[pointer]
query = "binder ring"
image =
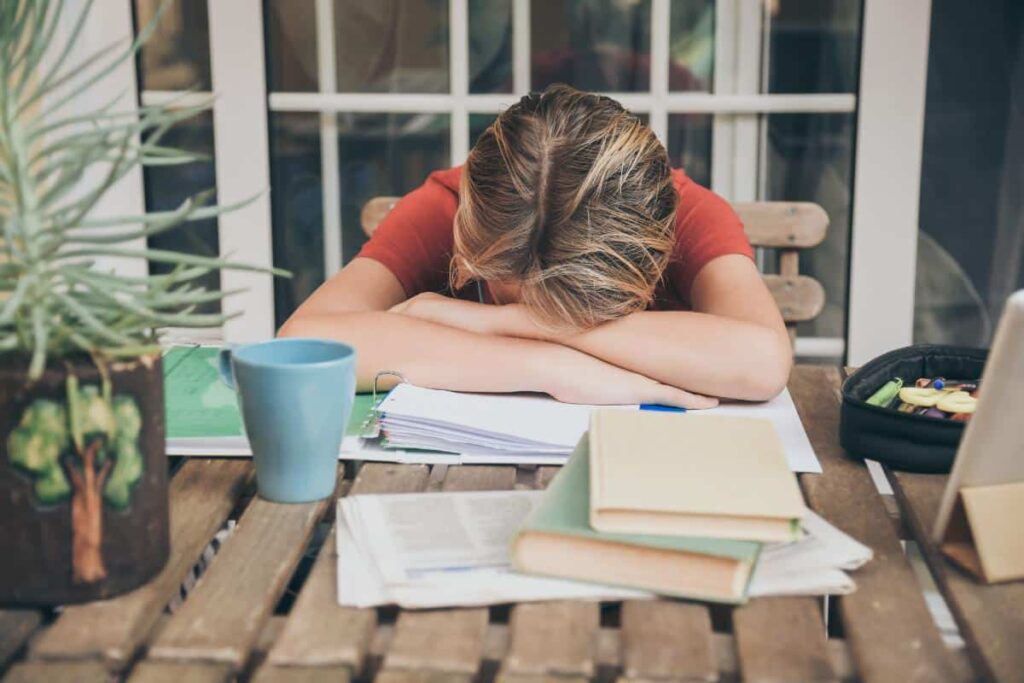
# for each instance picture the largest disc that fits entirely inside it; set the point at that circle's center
(385, 373)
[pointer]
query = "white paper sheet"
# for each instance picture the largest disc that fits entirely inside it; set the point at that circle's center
(515, 418)
(782, 413)
(451, 549)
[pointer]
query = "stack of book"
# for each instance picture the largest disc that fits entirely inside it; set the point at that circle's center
(682, 507)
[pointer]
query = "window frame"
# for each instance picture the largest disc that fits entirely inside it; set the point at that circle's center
(738, 137)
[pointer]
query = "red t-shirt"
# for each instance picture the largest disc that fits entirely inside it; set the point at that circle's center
(414, 241)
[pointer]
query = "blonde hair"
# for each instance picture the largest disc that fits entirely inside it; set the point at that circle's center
(571, 196)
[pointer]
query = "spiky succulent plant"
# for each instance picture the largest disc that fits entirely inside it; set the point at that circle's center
(55, 301)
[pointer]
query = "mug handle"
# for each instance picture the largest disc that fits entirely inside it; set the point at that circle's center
(227, 373)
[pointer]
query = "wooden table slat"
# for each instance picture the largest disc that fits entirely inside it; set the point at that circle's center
(202, 495)
(57, 672)
(181, 672)
(480, 478)
(545, 475)
(16, 625)
(782, 639)
(378, 477)
(667, 640)
(552, 639)
(301, 674)
(449, 640)
(990, 617)
(426, 676)
(222, 617)
(886, 621)
(320, 637)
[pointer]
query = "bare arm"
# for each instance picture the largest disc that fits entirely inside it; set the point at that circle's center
(353, 307)
(733, 344)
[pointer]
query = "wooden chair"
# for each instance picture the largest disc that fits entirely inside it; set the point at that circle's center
(786, 227)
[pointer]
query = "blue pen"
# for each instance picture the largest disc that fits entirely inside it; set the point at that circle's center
(657, 407)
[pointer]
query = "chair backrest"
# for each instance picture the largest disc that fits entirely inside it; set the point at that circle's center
(786, 227)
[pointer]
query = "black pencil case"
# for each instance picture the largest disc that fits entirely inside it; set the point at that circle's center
(905, 441)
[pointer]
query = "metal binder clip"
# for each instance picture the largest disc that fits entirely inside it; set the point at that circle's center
(370, 429)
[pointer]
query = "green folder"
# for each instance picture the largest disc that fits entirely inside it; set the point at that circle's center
(200, 405)
(565, 512)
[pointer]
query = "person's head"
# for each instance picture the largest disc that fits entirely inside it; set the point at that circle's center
(567, 199)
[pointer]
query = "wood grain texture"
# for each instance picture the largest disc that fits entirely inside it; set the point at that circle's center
(479, 478)
(202, 494)
(181, 672)
(404, 676)
(783, 225)
(449, 640)
(782, 639)
(798, 297)
(552, 638)
(887, 624)
(320, 637)
(319, 631)
(16, 625)
(379, 477)
(301, 674)
(545, 475)
(222, 617)
(667, 640)
(58, 672)
(990, 617)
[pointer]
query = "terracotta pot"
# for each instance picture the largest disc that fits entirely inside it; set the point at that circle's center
(83, 488)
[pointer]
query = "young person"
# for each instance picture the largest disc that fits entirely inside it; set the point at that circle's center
(565, 257)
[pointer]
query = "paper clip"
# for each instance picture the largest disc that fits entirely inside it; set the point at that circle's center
(370, 429)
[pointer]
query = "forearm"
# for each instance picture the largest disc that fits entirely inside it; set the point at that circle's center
(430, 354)
(698, 352)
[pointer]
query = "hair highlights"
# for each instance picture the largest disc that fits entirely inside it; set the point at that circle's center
(570, 195)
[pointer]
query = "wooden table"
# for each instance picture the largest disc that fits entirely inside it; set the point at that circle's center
(235, 623)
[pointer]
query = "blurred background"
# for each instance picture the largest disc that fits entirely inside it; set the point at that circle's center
(757, 100)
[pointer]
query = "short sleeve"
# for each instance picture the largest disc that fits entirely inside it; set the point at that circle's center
(414, 241)
(706, 228)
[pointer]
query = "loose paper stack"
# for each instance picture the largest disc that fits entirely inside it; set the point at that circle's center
(533, 429)
(500, 425)
(452, 549)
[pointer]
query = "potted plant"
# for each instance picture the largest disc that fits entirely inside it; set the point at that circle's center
(83, 471)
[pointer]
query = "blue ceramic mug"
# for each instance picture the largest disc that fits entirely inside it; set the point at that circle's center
(296, 398)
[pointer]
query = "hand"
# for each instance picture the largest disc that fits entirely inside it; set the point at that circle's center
(579, 378)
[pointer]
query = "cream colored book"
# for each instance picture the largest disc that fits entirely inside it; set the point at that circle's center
(669, 474)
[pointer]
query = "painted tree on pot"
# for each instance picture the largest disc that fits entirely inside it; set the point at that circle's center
(86, 449)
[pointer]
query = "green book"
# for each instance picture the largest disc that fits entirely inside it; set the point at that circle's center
(557, 540)
(200, 406)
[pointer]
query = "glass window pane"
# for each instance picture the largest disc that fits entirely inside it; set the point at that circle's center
(600, 45)
(391, 45)
(478, 124)
(291, 46)
(810, 158)
(970, 249)
(296, 200)
(166, 187)
(814, 46)
(177, 56)
(689, 145)
(490, 46)
(385, 154)
(691, 45)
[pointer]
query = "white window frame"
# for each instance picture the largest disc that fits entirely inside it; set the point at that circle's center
(892, 79)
